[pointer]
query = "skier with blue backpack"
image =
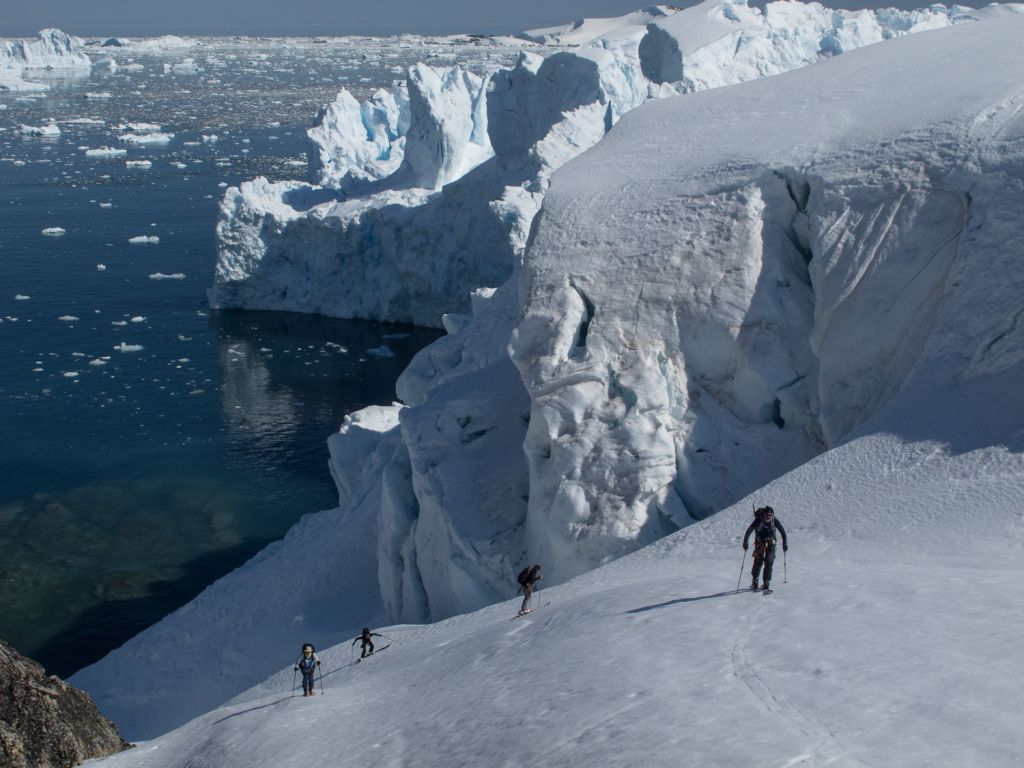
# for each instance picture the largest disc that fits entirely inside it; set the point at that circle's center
(307, 664)
(764, 527)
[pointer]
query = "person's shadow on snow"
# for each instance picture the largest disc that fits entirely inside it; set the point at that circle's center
(679, 600)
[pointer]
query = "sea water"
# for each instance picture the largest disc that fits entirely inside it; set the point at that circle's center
(150, 445)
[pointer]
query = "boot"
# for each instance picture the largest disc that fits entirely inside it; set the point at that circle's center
(765, 586)
(753, 584)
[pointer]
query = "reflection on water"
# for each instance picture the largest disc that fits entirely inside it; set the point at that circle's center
(285, 374)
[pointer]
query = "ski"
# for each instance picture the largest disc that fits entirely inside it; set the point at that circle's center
(364, 658)
(528, 610)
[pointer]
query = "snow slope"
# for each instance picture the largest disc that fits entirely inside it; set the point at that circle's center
(887, 646)
(692, 319)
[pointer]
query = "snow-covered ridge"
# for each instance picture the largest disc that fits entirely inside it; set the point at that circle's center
(466, 162)
(696, 314)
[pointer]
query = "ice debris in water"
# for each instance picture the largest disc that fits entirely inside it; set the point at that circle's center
(22, 297)
(381, 351)
(101, 267)
(144, 239)
(68, 318)
(40, 130)
(146, 139)
(162, 276)
(54, 231)
(106, 152)
(123, 347)
(138, 163)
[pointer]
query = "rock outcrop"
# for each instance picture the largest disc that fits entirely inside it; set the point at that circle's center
(46, 723)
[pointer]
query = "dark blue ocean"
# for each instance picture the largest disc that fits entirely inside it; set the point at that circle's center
(150, 445)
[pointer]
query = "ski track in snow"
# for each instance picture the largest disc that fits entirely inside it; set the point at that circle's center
(829, 750)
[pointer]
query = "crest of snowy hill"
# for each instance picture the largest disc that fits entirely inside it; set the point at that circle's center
(583, 31)
(837, 270)
(426, 192)
(53, 50)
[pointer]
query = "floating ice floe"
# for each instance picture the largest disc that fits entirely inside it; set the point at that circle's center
(106, 152)
(162, 276)
(381, 351)
(144, 239)
(83, 121)
(183, 67)
(106, 205)
(70, 374)
(146, 139)
(99, 95)
(180, 166)
(54, 231)
(138, 319)
(106, 64)
(99, 361)
(68, 318)
(101, 267)
(138, 163)
(22, 297)
(123, 347)
(139, 127)
(119, 323)
(46, 131)
(211, 138)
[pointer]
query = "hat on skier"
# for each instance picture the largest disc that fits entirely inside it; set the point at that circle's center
(768, 511)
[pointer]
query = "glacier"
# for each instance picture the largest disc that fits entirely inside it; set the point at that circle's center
(687, 310)
(690, 315)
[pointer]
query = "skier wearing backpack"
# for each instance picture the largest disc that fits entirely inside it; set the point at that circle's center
(307, 664)
(764, 527)
(527, 577)
(365, 637)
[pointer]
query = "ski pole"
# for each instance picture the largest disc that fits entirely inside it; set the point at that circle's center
(742, 563)
(294, 672)
(321, 679)
(785, 571)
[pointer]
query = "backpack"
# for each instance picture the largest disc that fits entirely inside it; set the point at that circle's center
(524, 576)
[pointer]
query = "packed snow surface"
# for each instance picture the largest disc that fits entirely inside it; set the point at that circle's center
(808, 281)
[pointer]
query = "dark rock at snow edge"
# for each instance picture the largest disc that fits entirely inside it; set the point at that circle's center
(46, 723)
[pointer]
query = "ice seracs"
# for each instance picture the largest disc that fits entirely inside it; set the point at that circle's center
(727, 284)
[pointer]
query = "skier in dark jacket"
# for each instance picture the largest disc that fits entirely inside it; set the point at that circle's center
(527, 578)
(764, 527)
(307, 664)
(365, 637)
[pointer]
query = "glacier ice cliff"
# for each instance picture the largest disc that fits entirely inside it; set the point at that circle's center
(53, 50)
(729, 282)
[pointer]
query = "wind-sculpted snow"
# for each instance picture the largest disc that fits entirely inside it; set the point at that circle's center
(726, 285)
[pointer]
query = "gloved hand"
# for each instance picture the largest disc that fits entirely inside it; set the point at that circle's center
(296, 667)
(318, 663)
(785, 547)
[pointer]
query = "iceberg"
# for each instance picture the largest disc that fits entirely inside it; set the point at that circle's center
(50, 130)
(54, 50)
(146, 139)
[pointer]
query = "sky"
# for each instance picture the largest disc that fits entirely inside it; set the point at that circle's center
(318, 17)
